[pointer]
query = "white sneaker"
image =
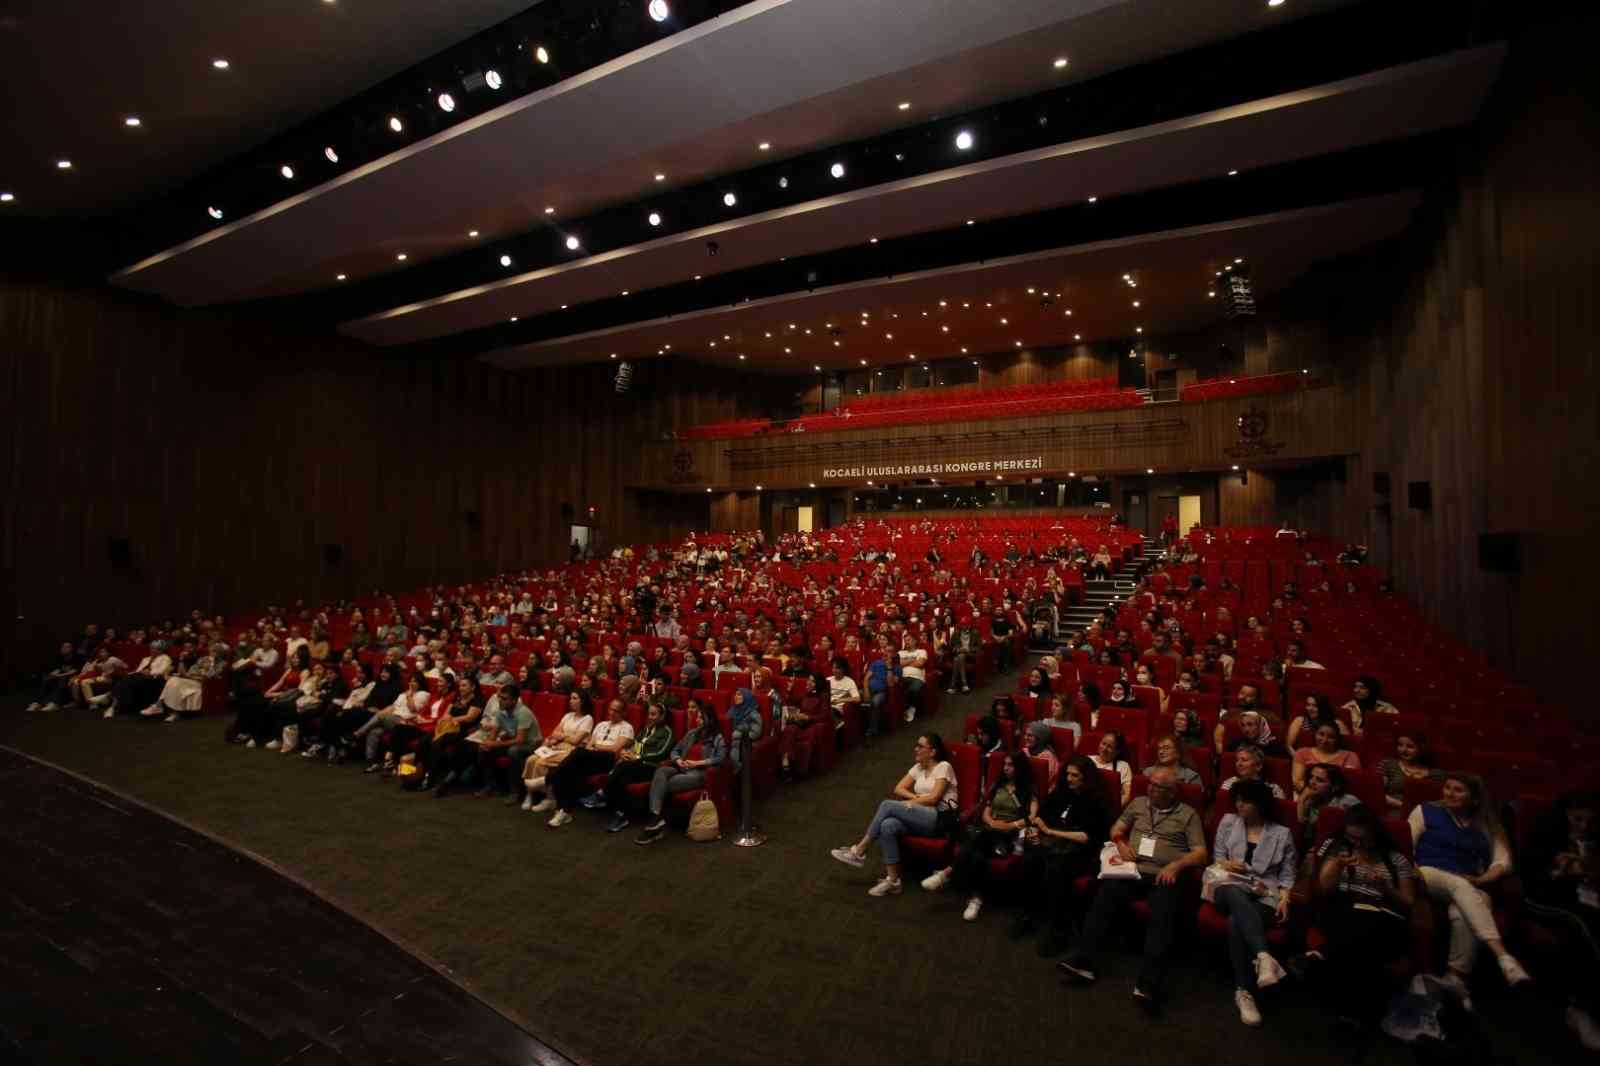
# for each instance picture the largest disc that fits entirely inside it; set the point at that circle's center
(527, 802)
(849, 857)
(1268, 972)
(1248, 1012)
(911, 714)
(100, 700)
(110, 712)
(313, 751)
(169, 719)
(49, 708)
(950, 691)
(535, 784)
(936, 880)
(966, 690)
(152, 711)
(559, 819)
(544, 806)
(250, 745)
(885, 887)
(1581, 1023)
(974, 908)
(34, 706)
(1514, 973)
(274, 745)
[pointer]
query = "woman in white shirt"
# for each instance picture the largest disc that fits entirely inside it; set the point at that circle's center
(1112, 755)
(913, 661)
(142, 687)
(925, 804)
(573, 730)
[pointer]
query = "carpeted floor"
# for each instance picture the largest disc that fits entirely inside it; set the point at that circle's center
(704, 952)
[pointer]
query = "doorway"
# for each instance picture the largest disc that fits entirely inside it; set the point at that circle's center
(1136, 511)
(1188, 514)
(578, 543)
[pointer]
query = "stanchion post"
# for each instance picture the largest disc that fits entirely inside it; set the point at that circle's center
(749, 836)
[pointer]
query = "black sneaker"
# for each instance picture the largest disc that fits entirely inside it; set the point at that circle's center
(649, 836)
(618, 823)
(656, 825)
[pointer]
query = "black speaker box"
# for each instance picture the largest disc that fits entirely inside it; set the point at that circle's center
(333, 554)
(567, 512)
(120, 551)
(474, 521)
(1500, 553)
(1419, 495)
(1380, 484)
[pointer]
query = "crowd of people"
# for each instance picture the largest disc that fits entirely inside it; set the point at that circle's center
(1165, 754)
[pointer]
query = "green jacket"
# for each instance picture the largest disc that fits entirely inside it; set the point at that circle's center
(652, 745)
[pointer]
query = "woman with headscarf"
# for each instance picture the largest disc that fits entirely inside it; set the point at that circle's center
(1038, 685)
(1367, 699)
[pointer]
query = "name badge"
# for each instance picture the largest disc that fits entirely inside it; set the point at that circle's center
(1147, 847)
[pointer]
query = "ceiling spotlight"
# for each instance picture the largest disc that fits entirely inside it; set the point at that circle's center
(818, 369)
(492, 79)
(837, 170)
(904, 105)
(513, 318)
(1061, 61)
(63, 164)
(1077, 336)
(1136, 303)
(1236, 466)
(340, 277)
(287, 171)
(549, 210)
(220, 64)
(132, 120)
(971, 221)
(7, 197)
(446, 102)
(659, 10)
(654, 218)
(330, 154)
(863, 362)
(913, 357)
(395, 124)
(872, 240)
(964, 140)
(573, 243)
(1093, 199)
(214, 212)
(1149, 470)
(1238, 260)
(764, 145)
(505, 260)
(1271, 3)
(728, 199)
(472, 233)
(1232, 173)
(661, 177)
(1019, 344)
(1213, 292)
(741, 357)
(813, 484)
(401, 258)
(1138, 329)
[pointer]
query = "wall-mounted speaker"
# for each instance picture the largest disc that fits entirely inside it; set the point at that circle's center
(1419, 495)
(1244, 477)
(1380, 484)
(474, 521)
(567, 511)
(1500, 553)
(120, 551)
(333, 554)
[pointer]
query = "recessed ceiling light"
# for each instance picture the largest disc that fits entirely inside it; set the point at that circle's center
(1019, 344)
(904, 105)
(661, 177)
(837, 170)
(214, 212)
(7, 197)
(654, 219)
(401, 257)
(1061, 61)
(505, 260)
(513, 318)
(1138, 329)
(549, 210)
(1149, 470)
(659, 10)
(1232, 173)
(963, 351)
(132, 120)
(764, 145)
(1213, 292)
(613, 355)
(340, 277)
(492, 79)
(872, 240)
(63, 164)
(330, 154)
(741, 357)
(1136, 303)
(1092, 199)
(729, 199)
(472, 233)
(541, 54)
(573, 242)
(1005, 322)
(816, 367)
(1236, 466)
(287, 171)
(813, 484)
(964, 140)
(864, 363)
(395, 124)
(1271, 3)
(1077, 336)
(220, 64)
(563, 307)
(446, 102)
(1238, 260)
(625, 292)
(971, 221)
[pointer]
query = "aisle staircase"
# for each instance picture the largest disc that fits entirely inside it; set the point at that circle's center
(1098, 594)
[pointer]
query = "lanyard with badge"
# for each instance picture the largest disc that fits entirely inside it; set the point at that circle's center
(1147, 843)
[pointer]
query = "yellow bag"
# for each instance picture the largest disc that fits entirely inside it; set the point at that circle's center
(445, 726)
(704, 825)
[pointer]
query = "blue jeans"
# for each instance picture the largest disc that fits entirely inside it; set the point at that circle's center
(1247, 932)
(875, 705)
(913, 694)
(895, 818)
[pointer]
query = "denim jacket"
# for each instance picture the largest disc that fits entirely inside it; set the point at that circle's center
(1274, 860)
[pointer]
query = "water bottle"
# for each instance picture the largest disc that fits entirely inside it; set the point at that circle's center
(1022, 835)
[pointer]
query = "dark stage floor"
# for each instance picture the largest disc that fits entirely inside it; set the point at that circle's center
(128, 939)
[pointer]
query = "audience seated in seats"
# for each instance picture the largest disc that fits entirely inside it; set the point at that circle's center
(1324, 788)
(508, 732)
(182, 693)
(701, 748)
(1121, 695)
(842, 690)
(1252, 872)
(56, 687)
(453, 751)
(1366, 699)
(1143, 675)
(1365, 889)
(1188, 728)
(1560, 864)
(1160, 837)
(1248, 765)
(1036, 744)
(883, 673)
(1461, 850)
(1328, 748)
(141, 686)
(1318, 711)
(963, 641)
(1112, 754)
(636, 762)
(1171, 754)
(802, 718)
(1000, 630)
(1256, 731)
(93, 684)
(1059, 715)
(1088, 705)
(1246, 699)
(913, 675)
(596, 755)
(1071, 823)
(1411, 762)
(375, 690)
(568, 735)
(925, 804)
(1037, 684)
(997, 833)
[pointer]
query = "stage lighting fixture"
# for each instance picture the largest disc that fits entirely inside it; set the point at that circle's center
(446, 102)
(492, 79)
(214, 212)
(964, 140)
(655, 218)
(6, 198)
(132, 120)
(63, 164)
(783, 183)
(729, 199)
(505, 260)
(287, 171)
(395, 124)
(541, 55)
(573, 243)
(659, 10)
(220, 64)
(330, 154)
(837, 170)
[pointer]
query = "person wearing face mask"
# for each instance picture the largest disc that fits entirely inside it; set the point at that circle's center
(1121, 695)
(1161, 837)
(1143, 676)
(1461, 849)
(1560, 865)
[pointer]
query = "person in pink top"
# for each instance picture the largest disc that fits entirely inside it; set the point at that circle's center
(1329, 748)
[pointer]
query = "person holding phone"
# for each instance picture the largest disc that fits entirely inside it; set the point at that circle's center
(1256, 857)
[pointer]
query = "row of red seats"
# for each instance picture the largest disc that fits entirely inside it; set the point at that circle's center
(1260, 385)
(920, 398)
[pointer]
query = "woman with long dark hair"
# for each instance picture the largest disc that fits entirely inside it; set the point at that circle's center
(1067, 830)
(997, 832)
(1318, 712)
(925, 804)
